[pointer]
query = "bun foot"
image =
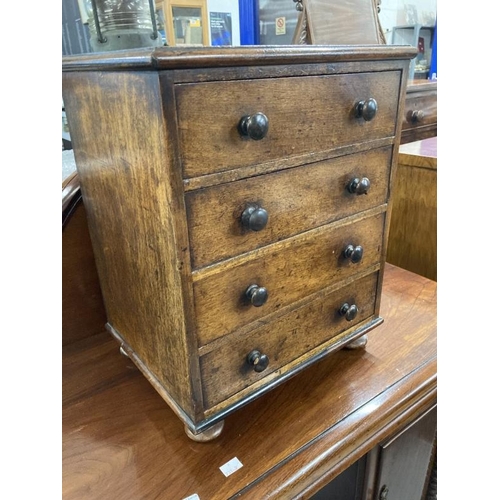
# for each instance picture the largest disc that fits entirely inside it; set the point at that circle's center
(208, 435)
(359, 343)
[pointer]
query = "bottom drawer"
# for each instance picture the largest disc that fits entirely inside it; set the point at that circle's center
(225, 369)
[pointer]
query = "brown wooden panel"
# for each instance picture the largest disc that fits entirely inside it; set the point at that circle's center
(296, 200)
(122, 157)
(225, 370)
(420, 113)
(420, 110)
(144, 138)
(120, 440)
(344, 22)
(413, 229)
(209, 57)
(83, 311)
(299, 120)
(289, 272)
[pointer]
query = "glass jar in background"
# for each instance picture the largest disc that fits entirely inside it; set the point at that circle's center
(122, 24)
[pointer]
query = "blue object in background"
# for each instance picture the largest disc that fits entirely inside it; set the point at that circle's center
(249, 22)
(221, 28)
(433, 65)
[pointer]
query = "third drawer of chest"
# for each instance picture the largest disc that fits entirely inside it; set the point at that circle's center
(251, 213)
(243, 360)
(254, 286)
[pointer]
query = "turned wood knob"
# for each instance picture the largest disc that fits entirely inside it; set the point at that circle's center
(359, 186)
(254, 126)
(254, 217)
(367, 109)
(258, 360)
(350, 312)
(417, 115)
(257, 295)
(354, 253)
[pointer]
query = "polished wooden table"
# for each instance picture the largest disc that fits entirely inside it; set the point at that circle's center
(121, 441)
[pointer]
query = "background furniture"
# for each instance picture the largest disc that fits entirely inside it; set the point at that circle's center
(420, 114)
(83, 312)
(186, 22)
(322, 22)
(402, 35)
(120, 441)
(413, 233)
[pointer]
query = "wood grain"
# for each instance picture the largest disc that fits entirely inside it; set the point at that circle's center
(342, 22)
(420, 97)
(120, 440)
(305, 265)
(296, 200)
(122, 157)
(413, 229)
(203, 57)
(139, 132)
(225, 370)
(83, 311)
(299, 121)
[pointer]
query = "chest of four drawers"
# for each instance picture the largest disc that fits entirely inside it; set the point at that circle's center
(239, 214)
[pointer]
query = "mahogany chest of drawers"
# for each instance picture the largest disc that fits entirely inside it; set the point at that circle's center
(238, 202)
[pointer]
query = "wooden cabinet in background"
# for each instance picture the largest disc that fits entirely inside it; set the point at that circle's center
(420, 114)
(83, 312)
(413, 233)
(400, 467)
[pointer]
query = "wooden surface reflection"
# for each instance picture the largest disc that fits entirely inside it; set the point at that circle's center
(120, 440)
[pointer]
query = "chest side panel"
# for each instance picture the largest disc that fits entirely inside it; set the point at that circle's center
(135, 216)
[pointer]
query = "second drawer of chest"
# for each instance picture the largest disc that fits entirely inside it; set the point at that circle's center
(225, 370)
(292, 201)
(284, 273)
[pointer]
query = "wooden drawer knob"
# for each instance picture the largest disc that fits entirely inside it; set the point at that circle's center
(366, 109)
(350, 312)
(416, 116)
(254, 126)
(254, 217)
(353, 253)
(257, 295)
(359, 186)
(258, 360)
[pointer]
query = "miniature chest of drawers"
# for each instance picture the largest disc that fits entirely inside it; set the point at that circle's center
(238, 204)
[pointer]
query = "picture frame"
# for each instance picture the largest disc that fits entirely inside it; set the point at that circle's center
(186, 22)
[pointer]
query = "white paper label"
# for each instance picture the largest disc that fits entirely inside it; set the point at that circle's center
(192, 497)
(280, 26)
(232, 466)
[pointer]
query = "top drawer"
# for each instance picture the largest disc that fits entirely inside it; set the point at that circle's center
(304, 115)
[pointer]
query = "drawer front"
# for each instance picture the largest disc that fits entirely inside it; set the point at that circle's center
(225, 370)
(294, 201)
(420, 110)
(305, 115)
(288, 271)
